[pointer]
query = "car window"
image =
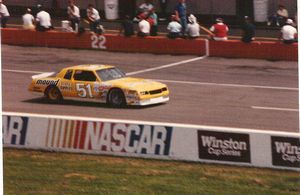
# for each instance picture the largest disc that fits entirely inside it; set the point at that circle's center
(110, 74)
(83, 75)
(68, 74)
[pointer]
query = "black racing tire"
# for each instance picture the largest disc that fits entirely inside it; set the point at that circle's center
(116, 98)
(53, 94)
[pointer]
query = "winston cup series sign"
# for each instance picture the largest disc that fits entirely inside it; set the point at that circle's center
(220, 146)
(285, 151)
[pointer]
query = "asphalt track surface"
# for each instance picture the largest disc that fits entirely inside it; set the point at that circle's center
(238, 93)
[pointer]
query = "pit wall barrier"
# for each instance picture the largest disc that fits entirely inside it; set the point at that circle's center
(242, 147)
(157, 45)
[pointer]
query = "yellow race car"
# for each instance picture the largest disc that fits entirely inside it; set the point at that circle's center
(102, 83)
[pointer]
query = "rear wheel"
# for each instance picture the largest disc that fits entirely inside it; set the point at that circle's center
(116, 98)
(53, 94)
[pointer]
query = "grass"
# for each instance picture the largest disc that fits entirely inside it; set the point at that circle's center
(36, 172)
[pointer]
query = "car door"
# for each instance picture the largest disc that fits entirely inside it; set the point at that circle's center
(84, 82)
(66, 88)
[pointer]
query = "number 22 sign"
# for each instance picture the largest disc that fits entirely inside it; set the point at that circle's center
(98, 41)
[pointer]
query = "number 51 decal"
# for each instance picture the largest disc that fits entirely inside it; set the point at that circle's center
(84, 90)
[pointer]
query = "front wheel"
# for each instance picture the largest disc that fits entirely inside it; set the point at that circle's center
(116, 98)
(53, 94)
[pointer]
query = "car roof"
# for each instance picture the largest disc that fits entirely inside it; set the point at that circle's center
(90, 67)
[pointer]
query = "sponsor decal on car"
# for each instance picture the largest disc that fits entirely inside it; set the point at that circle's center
(285, 151)
(109, 137)
(14, 130)
(101, 87)
(66, 86)
(234, 147)
(47, 82)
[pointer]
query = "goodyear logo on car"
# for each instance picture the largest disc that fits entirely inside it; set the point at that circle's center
(109, 137)
(47, 82)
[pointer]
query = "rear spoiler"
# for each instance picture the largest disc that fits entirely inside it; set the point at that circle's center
(43, 75)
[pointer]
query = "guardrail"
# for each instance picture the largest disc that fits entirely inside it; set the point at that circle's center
(158, 45)
(243, 147)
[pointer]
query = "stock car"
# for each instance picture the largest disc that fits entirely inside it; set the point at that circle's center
(102, 83)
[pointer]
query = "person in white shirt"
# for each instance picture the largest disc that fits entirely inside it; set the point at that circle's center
(94, 19)
(28, 20)
(288, 32)
(193, 28)
(4, 14)
(43, 20)
(174, 28)
(74, 14)
(144, 26)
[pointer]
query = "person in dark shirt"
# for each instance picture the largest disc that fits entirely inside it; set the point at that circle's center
(127, 27)
(248, 29)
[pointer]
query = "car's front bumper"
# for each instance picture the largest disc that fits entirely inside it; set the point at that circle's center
(150, 101)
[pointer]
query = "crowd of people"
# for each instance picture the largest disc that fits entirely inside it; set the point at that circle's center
(181, 25)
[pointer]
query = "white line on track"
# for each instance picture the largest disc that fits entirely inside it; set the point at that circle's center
(183, 82)
(166, 66)
(22, 71)
(228, 85)
(274, 108)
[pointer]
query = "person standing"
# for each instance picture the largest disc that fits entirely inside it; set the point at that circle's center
(43, 20)
(4, 14)
(28, 20)
(180, 12)
(93, 18)
(74, 15)
(288, 32)
(248, 30)
(163, 9)
(220, 30)
(279, 17)
(146, 7)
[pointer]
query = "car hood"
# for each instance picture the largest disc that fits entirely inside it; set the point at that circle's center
(136, 84)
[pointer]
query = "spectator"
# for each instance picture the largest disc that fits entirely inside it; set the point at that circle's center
(174, 28)
(219, 30)
(28, 20)
(248, 30)
(4, 14)
(288, 32)
(127, 27)
(180, 12)
(145, 7)
(74, 15)
(43, 20)
(163, 8)
(153, 17)
(94, 19)
(279, 18)
(193, 28)
(144, 26)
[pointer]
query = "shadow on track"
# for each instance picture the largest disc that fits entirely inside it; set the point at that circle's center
(43, 100)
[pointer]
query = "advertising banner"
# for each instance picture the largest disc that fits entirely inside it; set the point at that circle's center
(244, 147)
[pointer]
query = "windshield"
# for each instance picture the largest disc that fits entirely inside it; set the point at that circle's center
(110, 74)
